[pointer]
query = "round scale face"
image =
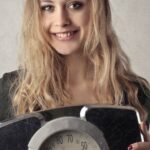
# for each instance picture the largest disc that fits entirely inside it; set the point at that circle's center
(70, 140)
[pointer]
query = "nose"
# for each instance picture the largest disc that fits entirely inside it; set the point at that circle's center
(62, 18)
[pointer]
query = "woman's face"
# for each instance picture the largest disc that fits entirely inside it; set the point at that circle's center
(66, 22)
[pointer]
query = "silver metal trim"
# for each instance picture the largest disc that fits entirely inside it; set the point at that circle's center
(83, 112)
(22, 117)
(139, 121)
(88, 107)
(67, 123)
(110, 106)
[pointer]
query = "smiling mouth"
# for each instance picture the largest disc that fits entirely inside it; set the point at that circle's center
(64, 36)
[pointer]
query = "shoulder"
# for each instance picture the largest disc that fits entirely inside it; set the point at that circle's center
(10, 75)
(5, 95)
(143, 93)
(7, 79)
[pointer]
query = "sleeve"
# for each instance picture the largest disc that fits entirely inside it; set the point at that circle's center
(144, 97)
(147, 108)
(5, 96)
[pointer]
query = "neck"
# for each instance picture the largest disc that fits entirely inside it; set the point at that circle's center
(79, 86)
(77, 67)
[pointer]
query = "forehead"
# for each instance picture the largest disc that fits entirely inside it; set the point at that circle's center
(60, 0)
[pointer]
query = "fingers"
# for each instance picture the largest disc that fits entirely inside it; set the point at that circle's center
(140, 146)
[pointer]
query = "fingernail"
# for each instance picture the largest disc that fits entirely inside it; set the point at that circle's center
(130, 147)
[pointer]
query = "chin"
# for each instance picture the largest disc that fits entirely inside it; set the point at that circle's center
(66, 51)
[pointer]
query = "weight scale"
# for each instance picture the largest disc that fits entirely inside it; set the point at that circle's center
(86, 127)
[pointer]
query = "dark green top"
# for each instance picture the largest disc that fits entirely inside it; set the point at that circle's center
(5, 96)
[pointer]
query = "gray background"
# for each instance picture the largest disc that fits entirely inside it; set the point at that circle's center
(130, 18)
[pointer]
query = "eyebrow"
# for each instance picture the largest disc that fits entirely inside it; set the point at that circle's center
(46, 1)
(52, 1)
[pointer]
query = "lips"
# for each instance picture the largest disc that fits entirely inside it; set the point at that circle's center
(63, 36)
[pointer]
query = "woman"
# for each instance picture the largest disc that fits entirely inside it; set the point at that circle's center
(71, 56)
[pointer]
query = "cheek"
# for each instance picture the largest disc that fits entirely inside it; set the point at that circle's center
(85, 26)
(86, 18)
(46, 23)
(83, 19)
(84, 23)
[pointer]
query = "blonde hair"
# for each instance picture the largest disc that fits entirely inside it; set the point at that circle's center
(43, 76)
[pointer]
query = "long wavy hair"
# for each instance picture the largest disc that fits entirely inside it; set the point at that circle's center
(43, 75)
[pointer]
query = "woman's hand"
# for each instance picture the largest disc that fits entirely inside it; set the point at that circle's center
(142, 145)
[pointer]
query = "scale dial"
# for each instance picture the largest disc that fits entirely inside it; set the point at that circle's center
(67, 133)
(70, 140)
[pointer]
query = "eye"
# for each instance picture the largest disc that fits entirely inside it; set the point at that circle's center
(75, 5)
(49, 8)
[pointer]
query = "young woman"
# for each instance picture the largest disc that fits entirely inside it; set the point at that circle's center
(71, 56)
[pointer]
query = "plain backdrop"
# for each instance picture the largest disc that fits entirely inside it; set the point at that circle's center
(130, 19)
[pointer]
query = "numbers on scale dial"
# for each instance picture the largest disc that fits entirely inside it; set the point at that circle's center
(59, 139)
(67, 140)
(84, 145)
(70, 138)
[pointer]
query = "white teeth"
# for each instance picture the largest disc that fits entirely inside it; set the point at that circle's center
(64, 35)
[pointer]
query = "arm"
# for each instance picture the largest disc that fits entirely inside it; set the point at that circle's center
(144, 97)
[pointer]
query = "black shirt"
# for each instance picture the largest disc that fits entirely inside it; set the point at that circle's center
(6, 93)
